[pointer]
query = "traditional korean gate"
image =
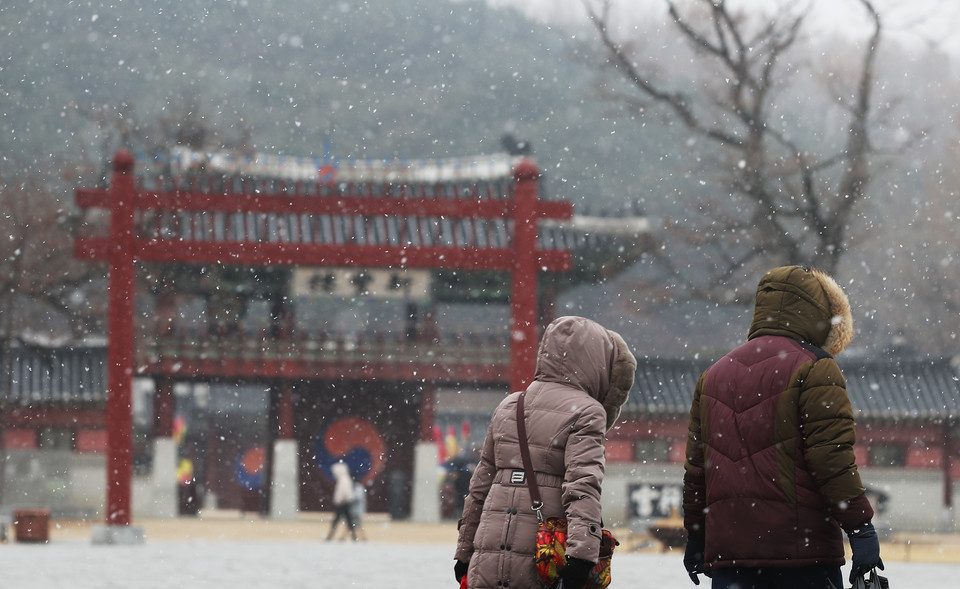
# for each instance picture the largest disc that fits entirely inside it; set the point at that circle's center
(208, 219)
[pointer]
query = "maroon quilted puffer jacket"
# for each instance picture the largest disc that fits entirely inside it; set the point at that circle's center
(770, 477)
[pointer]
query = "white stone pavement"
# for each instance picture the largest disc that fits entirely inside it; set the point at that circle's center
(226, 564)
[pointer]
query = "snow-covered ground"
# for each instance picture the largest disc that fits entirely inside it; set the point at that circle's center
(220, 564)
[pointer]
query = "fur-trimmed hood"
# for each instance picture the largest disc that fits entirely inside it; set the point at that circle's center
(584, 354)
(805, 304)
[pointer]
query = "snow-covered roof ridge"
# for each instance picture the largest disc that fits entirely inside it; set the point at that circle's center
(181, 160)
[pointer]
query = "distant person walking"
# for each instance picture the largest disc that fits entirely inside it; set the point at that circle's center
(770, 477)
(583, 376)
(358, 508)
(342, 499)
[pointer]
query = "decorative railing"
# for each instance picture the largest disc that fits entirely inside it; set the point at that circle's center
(457, 357)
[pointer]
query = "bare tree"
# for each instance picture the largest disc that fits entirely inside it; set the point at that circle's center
(44, 291)
(47, 298)
(779, 200)
(918, 249)
(99, 130)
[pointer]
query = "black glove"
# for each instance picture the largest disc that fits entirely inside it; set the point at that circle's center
(459, 569)
(693, 557)
(573, 575)
(865, 546)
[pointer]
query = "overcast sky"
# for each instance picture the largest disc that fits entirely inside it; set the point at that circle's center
(916, 21)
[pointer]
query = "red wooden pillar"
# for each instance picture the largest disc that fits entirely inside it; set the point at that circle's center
(523, 296)
(283, 400)
(428, 402)
(120, 342)
(164, 407)
(281, 428)
(948, 426)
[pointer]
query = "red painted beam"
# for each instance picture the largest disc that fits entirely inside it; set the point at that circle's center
(299, 254)
(66, 416)
(554, 209)
(323, 205)
(185, 367)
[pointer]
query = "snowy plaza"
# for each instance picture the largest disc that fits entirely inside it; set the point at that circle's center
(236, 554)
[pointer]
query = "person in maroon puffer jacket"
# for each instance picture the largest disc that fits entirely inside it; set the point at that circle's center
(770, 476)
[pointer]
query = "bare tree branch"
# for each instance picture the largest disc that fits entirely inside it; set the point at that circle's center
(676, 101)
(854, 182)
(802, 199)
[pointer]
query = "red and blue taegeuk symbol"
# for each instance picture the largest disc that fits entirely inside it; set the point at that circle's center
(353, 441)
(250, 468)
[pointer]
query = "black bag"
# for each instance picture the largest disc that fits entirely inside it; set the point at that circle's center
(871, 581)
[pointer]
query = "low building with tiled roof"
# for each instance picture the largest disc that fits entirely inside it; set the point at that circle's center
(907, 414)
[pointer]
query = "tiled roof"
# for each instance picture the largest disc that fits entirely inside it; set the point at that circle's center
(68, 374)
(881, 390)
(479, 177)
(904, 389)
(664, 386)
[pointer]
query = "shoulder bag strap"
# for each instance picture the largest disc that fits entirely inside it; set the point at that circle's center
(525, 456)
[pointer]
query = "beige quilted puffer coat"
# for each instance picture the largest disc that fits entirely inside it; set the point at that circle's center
(584, 373)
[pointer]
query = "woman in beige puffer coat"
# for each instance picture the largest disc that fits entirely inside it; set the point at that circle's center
(584, 374)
